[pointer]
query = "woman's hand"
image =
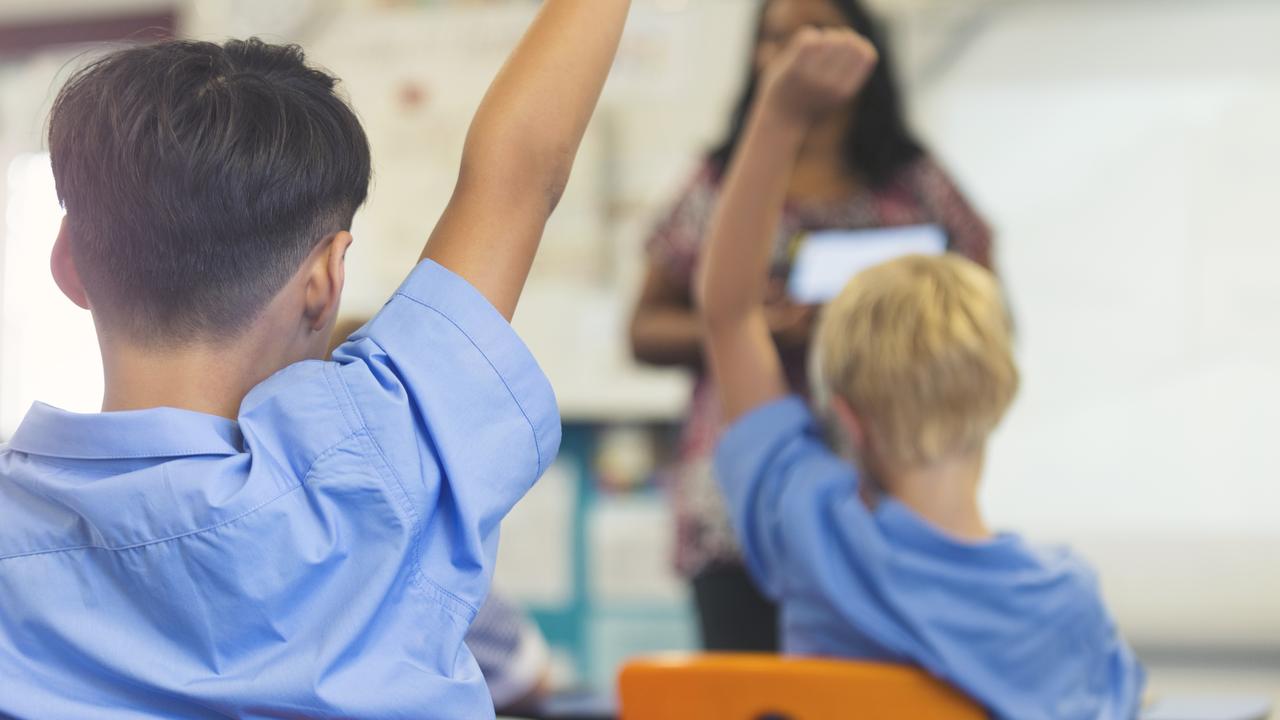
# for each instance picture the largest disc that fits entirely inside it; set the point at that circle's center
(665, 330)
(791, 325)
(818, 71)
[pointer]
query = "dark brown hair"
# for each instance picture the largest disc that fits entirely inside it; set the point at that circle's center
(197, 177)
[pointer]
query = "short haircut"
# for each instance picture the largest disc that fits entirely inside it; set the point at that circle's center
(921, 348)
(197, 177)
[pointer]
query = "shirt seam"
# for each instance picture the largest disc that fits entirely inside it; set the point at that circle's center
(160, 541)
(346, 403)
(435, 591)
(537, 445)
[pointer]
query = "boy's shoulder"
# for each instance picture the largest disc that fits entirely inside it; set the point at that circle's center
(1051, 582)
(441, 356)
(1005, 571)
(1064, 564)
(300, 411)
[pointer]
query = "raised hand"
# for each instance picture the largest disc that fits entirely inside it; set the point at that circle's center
(522, 144)
(818, 71)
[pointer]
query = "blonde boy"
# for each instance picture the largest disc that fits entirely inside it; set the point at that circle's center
(889, 558)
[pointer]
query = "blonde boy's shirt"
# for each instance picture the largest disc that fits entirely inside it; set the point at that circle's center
(320, 556)
(1022, 630)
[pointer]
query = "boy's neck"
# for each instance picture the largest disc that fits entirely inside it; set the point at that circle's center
(210, 376)
(200, 378)
(946, 495)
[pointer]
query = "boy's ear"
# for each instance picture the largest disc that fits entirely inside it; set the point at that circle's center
(325, 280)
(850, 424)
(64, 269)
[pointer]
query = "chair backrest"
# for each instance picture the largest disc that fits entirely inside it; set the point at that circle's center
(754, 687)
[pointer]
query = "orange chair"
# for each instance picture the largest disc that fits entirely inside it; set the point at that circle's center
(750, 687)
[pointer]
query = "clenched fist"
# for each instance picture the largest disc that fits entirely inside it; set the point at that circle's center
(818, 71)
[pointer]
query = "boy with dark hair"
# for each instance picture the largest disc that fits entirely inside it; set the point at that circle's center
(246, 530)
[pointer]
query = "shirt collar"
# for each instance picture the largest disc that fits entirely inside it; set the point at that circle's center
(156, 432)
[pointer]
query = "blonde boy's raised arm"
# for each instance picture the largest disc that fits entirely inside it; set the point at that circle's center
(522, 144)
(739, 348)
(818, 71)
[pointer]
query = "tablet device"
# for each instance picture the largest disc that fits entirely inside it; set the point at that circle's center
(826, 260)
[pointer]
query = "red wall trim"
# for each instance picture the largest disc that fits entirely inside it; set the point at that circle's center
(24, 38)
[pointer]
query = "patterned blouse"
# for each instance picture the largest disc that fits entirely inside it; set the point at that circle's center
(921, 194)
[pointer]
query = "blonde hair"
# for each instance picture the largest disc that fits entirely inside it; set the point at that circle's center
(921, 348)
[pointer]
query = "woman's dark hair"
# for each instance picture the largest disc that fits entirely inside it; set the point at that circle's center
(879, 143)
(197, 177)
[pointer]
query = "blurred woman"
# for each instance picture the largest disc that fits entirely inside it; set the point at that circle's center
(860, 168)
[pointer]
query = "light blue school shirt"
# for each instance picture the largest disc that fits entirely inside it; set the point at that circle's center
(319, 557)
(1021, 630)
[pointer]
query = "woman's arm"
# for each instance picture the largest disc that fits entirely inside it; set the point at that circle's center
(818, 71)
(665, 330)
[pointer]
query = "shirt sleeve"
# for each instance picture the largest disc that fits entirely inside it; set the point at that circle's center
(460, 413)
(772, 463)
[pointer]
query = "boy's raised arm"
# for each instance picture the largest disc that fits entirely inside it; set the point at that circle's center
(522, 144)
(819, 70)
